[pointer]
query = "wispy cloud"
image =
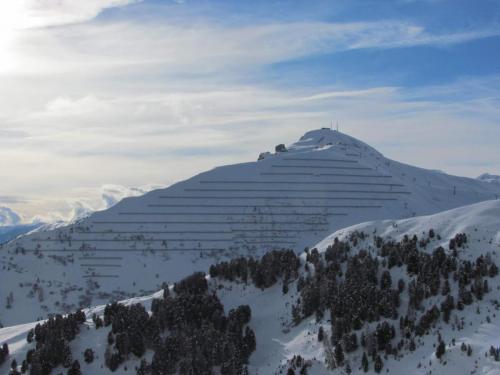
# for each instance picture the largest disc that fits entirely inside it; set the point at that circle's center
(26, 14)
(201, 49)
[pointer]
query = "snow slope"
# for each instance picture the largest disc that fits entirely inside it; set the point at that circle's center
(278, 340)
(325, 181)
(9, 232)
(492, 178)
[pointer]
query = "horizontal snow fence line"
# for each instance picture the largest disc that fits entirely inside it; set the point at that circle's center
(279, 230)
(324, 174)
(250, 206)
(256, 213)
(263, 237)
(157, 232)
(102, 265)
(305, 183)
(319, 167)
(214, 222)
(100, 276)
(276, 197)
(121, 250)
(162, 239)
(355, 175)
(266, 242)
(141, 240)
(189, 231)
(100, 258)
(303, 191)
(319, 159)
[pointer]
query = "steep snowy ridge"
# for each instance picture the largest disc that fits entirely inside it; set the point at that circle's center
(291, 199)
(278, 340)
(481, 218)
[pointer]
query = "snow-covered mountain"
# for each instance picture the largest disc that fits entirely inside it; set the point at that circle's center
(486, 177)
(462, 339)
(290, 199)
(9, 232)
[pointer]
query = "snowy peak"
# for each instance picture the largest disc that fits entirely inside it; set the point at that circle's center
(291, 199)
(334, 141)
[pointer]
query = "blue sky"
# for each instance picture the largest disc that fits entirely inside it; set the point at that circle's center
(143, 93)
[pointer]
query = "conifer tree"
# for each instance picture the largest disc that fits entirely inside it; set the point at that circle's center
(339, 355)
(364, 362)
(378, 365)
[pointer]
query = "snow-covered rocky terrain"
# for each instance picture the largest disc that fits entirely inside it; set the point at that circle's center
(425, 261)
(288, 199)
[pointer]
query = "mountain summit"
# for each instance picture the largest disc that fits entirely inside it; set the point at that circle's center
(289, 199)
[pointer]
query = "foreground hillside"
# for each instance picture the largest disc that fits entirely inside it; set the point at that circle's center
(416, 296)
(289, 199)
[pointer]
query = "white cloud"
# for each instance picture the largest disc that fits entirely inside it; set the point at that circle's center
(135, 137)
(8, 217)
(90, 103)
(201, 48)
(112, 194)
(87, 201)
(25, 14)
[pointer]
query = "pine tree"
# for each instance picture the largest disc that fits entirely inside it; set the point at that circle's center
(88, 355)
(321, 334)
(24, 367)
(284, 289)
(30, 336)
(446, 288)
(75, 369)
(413, 346)
(385, 280)
(296, 317)
(111, 339)
(364, 362)
(348, 369)
(339, 355)
(137, 346)
(250, 341)
(378, 365)
(441, 349)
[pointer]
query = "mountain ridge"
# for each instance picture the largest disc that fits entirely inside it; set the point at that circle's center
(279, 341)
(325, 181)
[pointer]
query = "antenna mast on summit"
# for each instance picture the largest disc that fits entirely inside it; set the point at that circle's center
(337, 126)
